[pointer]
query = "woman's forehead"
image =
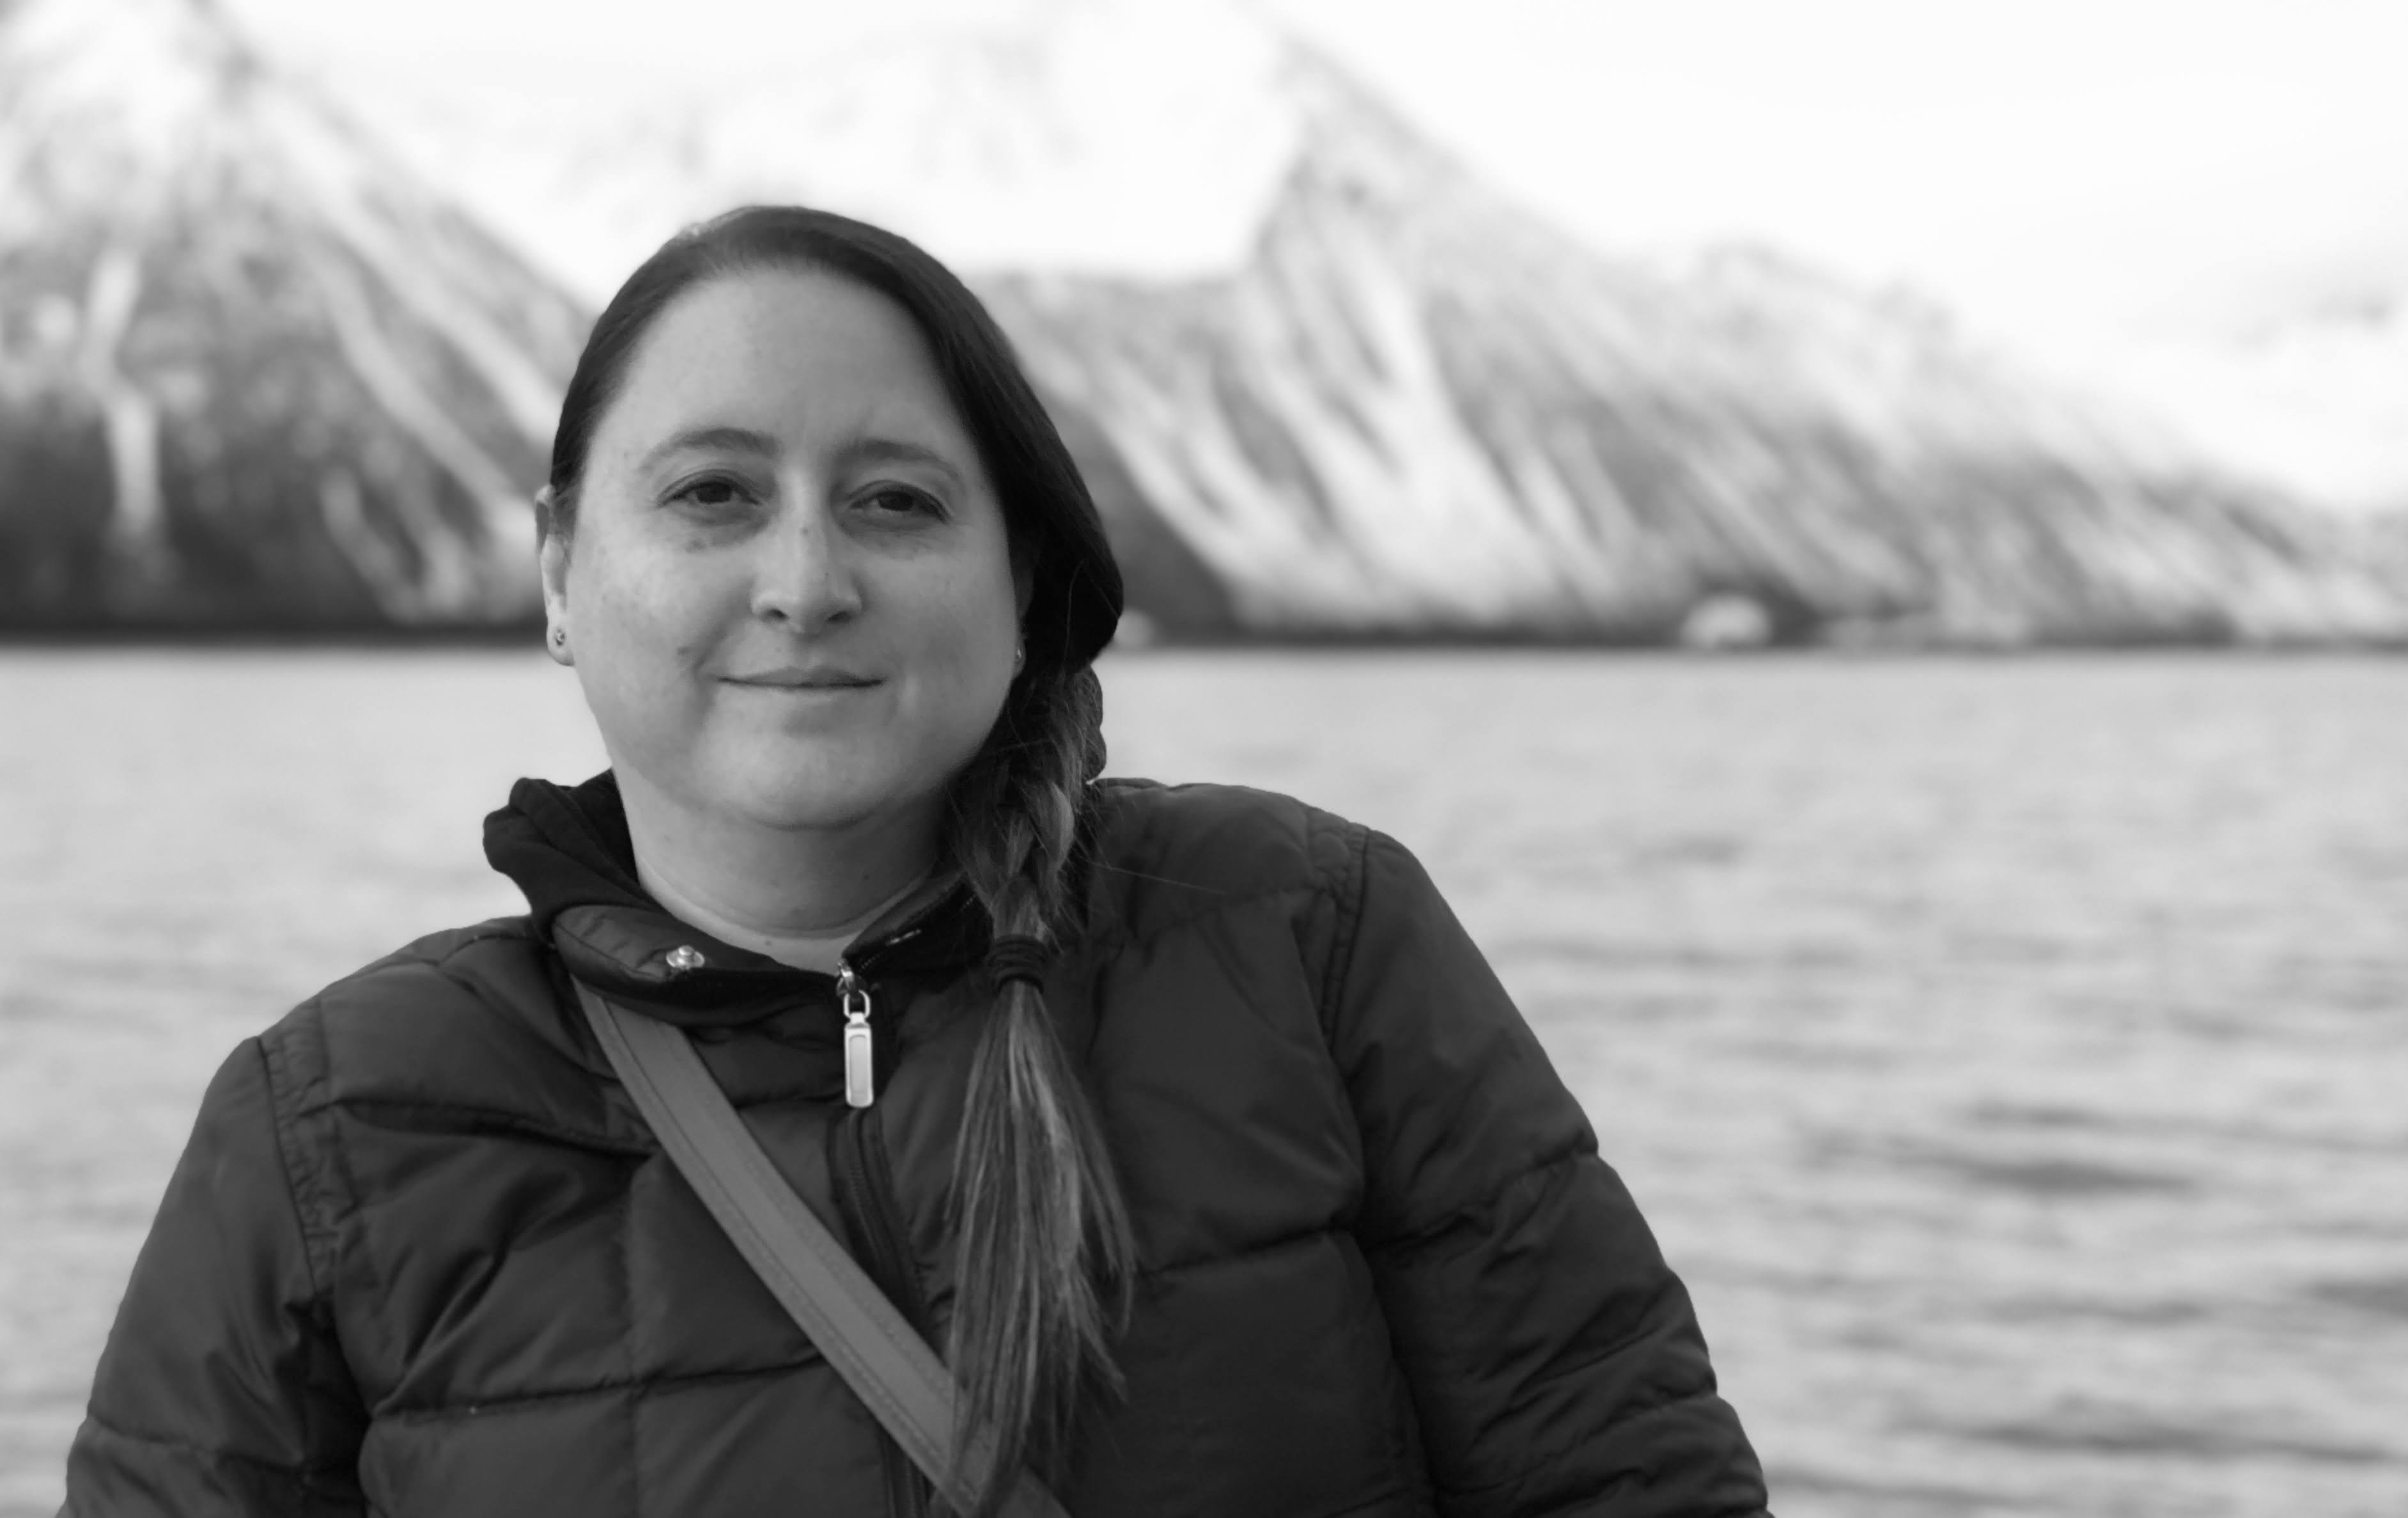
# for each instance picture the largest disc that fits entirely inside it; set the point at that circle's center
(791, 356)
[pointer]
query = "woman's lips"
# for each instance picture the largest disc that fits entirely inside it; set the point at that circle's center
(800, 678)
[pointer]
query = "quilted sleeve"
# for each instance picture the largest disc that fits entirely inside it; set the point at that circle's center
(1556, 1363)
(222, 1390)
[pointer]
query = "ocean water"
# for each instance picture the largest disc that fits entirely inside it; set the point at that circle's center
(2012, 1055)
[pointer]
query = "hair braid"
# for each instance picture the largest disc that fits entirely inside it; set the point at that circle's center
(1044, 1254)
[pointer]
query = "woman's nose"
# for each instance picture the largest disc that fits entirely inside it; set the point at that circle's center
(804, 576)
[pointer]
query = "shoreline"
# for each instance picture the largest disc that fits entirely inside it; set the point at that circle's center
(529, 636)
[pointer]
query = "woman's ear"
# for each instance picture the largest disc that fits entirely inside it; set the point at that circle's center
(552, 563)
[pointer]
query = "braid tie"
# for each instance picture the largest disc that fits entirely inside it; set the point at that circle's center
(1018, 956)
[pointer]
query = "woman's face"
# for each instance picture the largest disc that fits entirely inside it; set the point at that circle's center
(790, 596)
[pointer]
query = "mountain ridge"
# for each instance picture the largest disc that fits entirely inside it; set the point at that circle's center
(253, 373)
(1598, 448)
(262, 371)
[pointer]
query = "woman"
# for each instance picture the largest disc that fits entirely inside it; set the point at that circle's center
(1249, 1193)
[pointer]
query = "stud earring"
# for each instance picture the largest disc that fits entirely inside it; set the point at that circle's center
(1020, 656)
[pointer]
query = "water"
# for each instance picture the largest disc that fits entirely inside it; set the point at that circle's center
(2009, 1054)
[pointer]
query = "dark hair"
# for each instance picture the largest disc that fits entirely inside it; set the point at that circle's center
(1044, 1254)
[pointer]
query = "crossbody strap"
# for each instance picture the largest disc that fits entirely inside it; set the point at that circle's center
(880, 1355)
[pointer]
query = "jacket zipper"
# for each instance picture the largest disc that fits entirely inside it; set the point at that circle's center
(853, 995)
(860, 1068)
(874, 1220)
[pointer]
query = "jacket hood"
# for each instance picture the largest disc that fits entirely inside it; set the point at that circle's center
(568, 848)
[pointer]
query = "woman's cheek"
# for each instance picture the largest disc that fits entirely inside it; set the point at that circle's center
(673, 608)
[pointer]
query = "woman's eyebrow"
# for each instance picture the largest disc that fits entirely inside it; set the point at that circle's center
(895, 450)
(731, 438)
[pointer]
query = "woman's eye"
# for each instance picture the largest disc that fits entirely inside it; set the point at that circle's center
(711, 492)
(901, 500)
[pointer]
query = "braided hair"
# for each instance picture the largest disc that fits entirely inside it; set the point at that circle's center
(1044, 1256)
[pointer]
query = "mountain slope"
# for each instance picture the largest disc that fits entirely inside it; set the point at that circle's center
(251, 372)
(1417, 408)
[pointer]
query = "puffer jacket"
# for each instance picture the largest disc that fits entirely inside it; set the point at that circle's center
(422, 1256)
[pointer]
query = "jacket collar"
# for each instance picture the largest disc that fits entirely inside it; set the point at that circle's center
(568, 850)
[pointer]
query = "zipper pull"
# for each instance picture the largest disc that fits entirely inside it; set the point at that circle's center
(859, 1083)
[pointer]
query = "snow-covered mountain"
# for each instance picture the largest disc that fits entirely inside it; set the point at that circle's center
(1323, 380)
(252, 371)
(1418, 406)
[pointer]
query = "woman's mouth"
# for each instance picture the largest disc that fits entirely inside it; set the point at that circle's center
(803, 677)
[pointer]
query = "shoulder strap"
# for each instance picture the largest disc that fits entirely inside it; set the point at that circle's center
(885, 1362)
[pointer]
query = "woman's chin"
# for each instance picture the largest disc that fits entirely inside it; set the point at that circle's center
(809, 797)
